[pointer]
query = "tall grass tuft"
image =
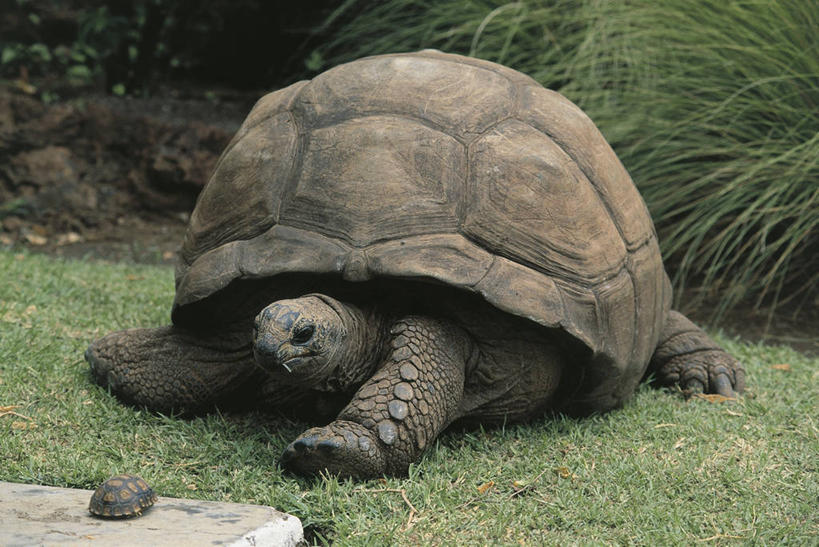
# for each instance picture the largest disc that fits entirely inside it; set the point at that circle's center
(712, 106)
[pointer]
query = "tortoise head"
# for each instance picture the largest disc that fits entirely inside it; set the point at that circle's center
(303, 341)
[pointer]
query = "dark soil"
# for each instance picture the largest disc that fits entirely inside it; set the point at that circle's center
(108, 177)
(116, 178)
(798, 328)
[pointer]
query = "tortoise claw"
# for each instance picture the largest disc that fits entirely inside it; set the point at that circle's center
(693, 386)
(721, 385)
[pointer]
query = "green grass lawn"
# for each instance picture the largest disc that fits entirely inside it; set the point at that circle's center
(659, 471)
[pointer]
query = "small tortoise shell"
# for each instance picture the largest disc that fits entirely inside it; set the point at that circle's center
(122, 496)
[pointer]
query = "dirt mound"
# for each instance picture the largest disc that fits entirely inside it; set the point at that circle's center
(102, 169)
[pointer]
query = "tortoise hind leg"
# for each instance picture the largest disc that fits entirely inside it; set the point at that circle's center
(168, 368)
(687, 357)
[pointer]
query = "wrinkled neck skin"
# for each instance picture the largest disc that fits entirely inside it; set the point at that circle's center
(361, 349)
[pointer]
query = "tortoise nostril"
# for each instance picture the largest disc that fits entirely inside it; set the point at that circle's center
(264, 345)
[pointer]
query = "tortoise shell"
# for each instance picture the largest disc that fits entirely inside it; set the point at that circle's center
(122, 496)
(442, 168)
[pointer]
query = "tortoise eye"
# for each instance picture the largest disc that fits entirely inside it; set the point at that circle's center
(302, 335)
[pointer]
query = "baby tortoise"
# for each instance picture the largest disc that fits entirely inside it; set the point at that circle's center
(122, 496)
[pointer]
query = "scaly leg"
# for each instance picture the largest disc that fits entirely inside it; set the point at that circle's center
(397, 413)
(169, 368)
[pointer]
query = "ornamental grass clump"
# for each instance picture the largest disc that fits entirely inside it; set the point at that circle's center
(712, 106)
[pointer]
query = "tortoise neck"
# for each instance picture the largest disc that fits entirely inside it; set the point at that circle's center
(364, 344)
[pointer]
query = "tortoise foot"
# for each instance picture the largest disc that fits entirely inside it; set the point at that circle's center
(342, 448)
(688, 358)
(710, 371)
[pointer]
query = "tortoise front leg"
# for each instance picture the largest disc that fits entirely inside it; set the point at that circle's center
(169, 368)
(396, 414)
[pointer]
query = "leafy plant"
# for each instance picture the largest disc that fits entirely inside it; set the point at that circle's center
(76, 55)
(131, 46)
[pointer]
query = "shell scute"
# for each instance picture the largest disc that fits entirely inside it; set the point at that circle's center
(461, 99)
(531, 203)
(572, 130)
(346, 164)
(242, 197)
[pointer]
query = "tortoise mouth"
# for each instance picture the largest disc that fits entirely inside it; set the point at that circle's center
(281, 357)
(297, 362)
(306, 369)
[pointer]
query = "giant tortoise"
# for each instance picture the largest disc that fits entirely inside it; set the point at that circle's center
(405, 241)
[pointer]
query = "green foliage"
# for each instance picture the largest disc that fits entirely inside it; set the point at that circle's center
(131, 46)
(712, 106)
(105, 44)
(79, 59)
(660, 467)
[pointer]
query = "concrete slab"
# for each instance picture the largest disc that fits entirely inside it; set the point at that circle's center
(42, 515)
